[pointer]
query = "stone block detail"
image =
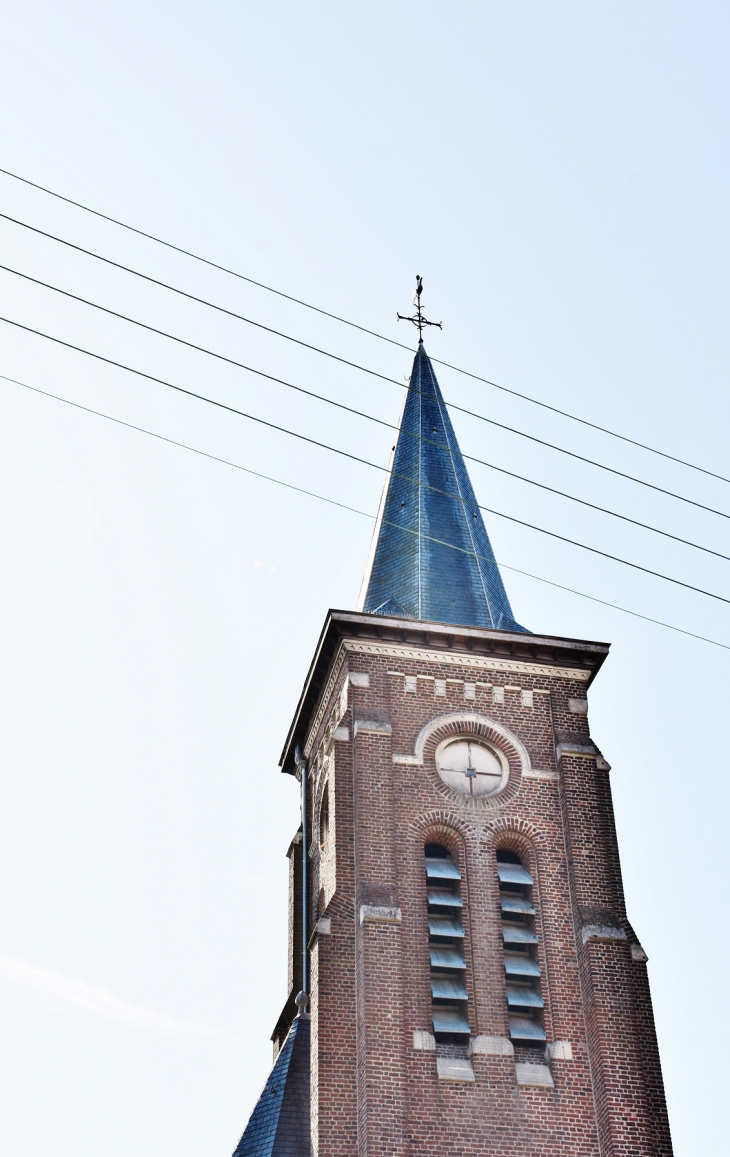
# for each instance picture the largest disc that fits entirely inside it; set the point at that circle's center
(534, 1076)
(455, 1069)
(439, 688)
(578, 706)
(341, 734)
(470, 690)
(491, 1046)
(601, 932)
(372, 727)
(359, 678)
(424, 1041)
(498, 695)
(581, 750)
(411, 684)
(526, 696)
(540, 773)
(559, 1050)
(372, 914)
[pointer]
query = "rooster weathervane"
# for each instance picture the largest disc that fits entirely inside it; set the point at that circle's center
(418, 319)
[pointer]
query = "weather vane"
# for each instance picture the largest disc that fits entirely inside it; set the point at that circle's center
(418, 319)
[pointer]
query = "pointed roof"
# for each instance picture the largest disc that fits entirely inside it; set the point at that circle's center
(279, 1124)
(431, 556)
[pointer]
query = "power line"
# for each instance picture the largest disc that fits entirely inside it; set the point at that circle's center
(372, 418)
(337, 358)
(212, 353)
(364, 461)
(200, 300)
(362, 328)
(353, 510)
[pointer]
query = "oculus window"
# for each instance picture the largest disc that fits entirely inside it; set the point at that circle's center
(471, 768)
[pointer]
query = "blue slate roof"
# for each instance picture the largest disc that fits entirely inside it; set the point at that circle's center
(431, 556)
(279, 1124)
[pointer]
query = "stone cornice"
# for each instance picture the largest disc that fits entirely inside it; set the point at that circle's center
(463, 659)
(324, 700)
(463, 649)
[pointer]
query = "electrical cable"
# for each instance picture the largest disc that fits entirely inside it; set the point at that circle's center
(379, 421)
(364, 461)
(361, 328)
(353, 509)
(335, 357)
(200, 300)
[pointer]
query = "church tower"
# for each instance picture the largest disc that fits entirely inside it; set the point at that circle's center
(474, 985)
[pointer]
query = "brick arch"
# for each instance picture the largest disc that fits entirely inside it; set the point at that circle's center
(441, 827)
(471, 724)
(493, 830)
(516, 841)
(457, 723)
(422, 824)
(518, 836)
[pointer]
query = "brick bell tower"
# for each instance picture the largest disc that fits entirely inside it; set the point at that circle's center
(474, 984)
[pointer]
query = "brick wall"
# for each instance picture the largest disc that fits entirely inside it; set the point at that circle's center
(372, 739)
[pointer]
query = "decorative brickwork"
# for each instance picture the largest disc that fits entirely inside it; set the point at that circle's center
(381, 1083)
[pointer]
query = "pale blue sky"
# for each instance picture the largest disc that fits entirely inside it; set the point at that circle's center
(558, 174)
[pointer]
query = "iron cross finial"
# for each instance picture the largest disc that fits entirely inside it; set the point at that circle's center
(418, 319)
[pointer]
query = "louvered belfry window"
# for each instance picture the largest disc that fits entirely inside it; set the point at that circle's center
(524, 999)
(446, 946)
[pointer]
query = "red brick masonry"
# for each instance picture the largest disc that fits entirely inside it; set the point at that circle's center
(380, 1083)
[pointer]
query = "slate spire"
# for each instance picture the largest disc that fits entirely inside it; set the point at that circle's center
(431, 557)
(279, 1123)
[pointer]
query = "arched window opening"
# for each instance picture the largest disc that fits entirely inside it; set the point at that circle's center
(446, 946)
(524, 999)
(324, 817)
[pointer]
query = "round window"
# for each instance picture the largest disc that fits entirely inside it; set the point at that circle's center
(471, 768)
